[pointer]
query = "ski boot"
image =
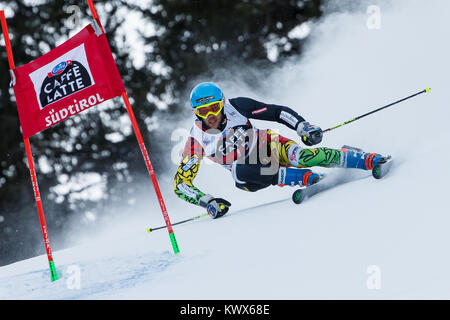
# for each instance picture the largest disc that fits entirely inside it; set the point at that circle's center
(356, 158)
(352, 157)
(297, 177)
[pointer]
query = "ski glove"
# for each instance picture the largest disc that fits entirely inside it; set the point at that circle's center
(216, 207)
(309, 134)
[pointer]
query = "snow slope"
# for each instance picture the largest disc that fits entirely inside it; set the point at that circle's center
(327, 246)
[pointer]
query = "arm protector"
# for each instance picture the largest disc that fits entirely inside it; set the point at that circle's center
(187, 170)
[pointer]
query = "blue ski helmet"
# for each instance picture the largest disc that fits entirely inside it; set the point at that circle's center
(204, 93)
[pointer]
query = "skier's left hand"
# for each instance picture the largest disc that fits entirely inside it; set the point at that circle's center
(309, 133)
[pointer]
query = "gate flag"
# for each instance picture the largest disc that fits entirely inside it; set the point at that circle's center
(75, 76)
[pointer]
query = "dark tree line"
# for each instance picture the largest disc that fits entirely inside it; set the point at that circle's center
(193, 38)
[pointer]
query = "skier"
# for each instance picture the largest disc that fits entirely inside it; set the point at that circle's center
(256, 158)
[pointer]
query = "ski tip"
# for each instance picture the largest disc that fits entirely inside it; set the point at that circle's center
(427, 89)
(297, 196)
(381, 169)
(149, 230)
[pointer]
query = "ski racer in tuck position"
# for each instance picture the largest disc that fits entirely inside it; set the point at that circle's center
(256, 158)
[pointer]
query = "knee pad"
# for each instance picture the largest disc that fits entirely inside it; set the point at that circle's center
(293, 154)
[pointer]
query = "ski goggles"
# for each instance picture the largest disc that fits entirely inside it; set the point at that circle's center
(213, 108)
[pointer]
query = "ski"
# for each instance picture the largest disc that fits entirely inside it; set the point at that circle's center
(303, 193)
(378, 172)
(300, 195)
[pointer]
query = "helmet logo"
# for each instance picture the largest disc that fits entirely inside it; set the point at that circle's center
(204, 100)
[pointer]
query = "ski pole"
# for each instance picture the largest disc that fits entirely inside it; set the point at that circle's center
(179, 222)
(376, 110)
(206, 214)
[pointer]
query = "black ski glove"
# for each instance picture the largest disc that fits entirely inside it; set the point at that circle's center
(216, 207)
(309, 134)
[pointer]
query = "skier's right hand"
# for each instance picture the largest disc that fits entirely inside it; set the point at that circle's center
(309, 133)
(216, 207)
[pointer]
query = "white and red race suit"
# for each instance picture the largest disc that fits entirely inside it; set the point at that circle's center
(235, 139)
